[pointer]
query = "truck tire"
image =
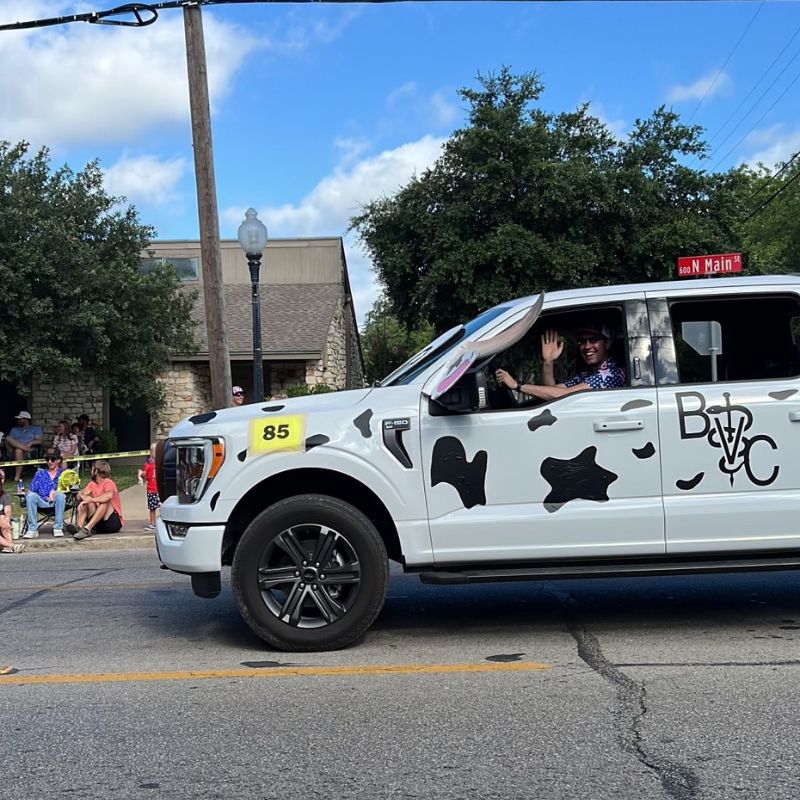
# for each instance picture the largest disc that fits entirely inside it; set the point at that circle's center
(310, 573)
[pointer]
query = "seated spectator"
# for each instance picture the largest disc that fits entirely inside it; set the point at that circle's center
(77, 432)
(22, 440)
(99, 509)
(44, 494)
(65, 441)
(6, 536)
(89, 432)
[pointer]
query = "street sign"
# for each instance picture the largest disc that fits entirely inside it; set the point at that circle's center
(693, 266)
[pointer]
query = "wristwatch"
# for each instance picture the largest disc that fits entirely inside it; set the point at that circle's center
(518, 387)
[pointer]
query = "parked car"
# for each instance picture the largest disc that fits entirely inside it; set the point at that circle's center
(693, 465)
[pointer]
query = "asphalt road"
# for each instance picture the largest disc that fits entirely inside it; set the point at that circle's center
(646, 688)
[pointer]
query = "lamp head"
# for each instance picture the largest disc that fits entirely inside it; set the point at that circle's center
(252, 234)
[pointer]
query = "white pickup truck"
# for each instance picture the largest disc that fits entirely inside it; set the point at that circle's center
(691, 465)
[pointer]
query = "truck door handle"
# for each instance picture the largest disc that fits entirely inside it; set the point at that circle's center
(794, 416)
(618, 425)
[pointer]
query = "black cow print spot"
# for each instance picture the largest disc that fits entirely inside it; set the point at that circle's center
(213, 502)
(362, 423)
(631, 404)
(242, 456)
(268, 409)
(449, 464)
(579, 478)
(199, 419)
(541, 420)
(648, 451)
(691, 483)
(783, 394)
(316, 440)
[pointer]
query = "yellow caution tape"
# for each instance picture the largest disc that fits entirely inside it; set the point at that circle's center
(71, 459)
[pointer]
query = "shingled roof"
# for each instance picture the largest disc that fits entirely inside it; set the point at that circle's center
(295, 319)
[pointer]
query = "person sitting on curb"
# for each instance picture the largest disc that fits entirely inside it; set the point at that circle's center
(44, 494)
(7, 544)
(100, 508)
(22, 439)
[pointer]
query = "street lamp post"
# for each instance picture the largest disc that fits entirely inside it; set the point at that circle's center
(253, 239)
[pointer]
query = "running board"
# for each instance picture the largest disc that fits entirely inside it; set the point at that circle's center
(609, 570)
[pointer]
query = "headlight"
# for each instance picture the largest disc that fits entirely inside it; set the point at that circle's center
(198, 462)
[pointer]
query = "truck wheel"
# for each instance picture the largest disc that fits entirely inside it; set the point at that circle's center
(310, 573)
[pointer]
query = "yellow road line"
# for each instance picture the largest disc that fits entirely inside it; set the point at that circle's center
(274, 672)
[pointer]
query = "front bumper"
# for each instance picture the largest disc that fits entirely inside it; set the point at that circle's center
(199, 551)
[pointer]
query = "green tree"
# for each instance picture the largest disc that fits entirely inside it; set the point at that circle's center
(387, 342)
(523, 200)
(74, 300)
(771, 230)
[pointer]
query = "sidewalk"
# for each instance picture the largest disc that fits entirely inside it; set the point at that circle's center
(133, 536)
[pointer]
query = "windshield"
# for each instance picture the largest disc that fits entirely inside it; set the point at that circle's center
(442, 344)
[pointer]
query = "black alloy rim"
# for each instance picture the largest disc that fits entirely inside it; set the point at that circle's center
(309, 576)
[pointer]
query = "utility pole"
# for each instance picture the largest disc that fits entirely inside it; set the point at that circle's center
(208, 216)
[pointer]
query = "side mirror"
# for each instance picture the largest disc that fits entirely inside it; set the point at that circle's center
(463, 398)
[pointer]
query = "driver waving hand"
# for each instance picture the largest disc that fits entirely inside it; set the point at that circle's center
(602, 371)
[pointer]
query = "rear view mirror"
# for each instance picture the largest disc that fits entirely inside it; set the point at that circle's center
(705, 338)
(462, 398)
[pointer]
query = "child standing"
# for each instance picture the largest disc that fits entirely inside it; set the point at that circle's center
(147, 475)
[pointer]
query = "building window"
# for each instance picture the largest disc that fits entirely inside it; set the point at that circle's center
(186, 268)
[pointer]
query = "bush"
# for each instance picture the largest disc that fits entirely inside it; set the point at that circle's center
(301, 390)
(106, 441)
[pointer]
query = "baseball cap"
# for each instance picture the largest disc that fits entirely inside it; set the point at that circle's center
(594, 330)
(237, 390)
(23, 415)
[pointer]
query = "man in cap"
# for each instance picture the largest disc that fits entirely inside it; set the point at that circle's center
(44, 494)
(22, 440)
(237, 396)
(602, 371)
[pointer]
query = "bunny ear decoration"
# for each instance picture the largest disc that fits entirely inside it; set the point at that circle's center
(467, 353)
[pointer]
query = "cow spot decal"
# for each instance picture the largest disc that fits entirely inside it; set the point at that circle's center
(362, 423)
(316, 440)
(541, 420)
(648, 451)
(579, 478)
(449, 464)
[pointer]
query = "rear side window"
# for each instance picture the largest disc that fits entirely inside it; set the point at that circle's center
(736, 338)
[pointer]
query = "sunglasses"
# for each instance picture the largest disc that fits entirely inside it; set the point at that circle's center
(238, 394)
(583, 340)
(51, 458)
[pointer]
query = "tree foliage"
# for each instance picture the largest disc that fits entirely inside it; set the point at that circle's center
(523, 200)
(74, 300)
(387, 342)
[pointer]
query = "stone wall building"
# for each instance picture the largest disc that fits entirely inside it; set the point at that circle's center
(308, 329)
(308, 326)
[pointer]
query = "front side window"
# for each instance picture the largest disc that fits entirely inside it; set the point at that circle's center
(736, 338)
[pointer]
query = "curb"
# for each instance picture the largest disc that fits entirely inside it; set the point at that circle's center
(99, 541)
(138, 540)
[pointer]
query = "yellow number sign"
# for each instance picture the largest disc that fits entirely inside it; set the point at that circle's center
(273, 434)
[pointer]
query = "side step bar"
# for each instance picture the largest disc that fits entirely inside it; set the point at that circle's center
(544, 572)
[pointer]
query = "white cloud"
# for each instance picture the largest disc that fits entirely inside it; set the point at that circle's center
(90, 83)
(328, 207)
(771, 146)
(713, 83)
(145, 178)
(619, 127)
(434, 109)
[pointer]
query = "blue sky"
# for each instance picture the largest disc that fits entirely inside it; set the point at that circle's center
(316, 109)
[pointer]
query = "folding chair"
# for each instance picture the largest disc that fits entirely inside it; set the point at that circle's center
(45, 515)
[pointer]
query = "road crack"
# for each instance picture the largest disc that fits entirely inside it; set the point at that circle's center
(41, 592)
(679, 781)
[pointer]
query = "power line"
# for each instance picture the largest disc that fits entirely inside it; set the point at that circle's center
(773, 196)
(757, 122)
(730, 55)
(147, 13)
(755, 105)
(772, 177)
(752, 89)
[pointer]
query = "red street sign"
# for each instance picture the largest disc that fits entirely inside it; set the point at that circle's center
(691, 266)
